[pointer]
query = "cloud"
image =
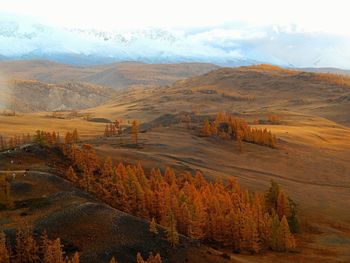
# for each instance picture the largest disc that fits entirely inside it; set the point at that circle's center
(226, 44)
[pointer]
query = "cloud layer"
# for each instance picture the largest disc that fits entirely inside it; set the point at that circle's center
(226, 44)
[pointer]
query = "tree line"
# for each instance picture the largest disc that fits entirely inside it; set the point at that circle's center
(228, 126)
(213, 212)
(14, 141)
(29, 249)
(115, 129)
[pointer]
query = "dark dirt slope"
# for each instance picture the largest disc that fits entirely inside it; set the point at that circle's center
(46, 201)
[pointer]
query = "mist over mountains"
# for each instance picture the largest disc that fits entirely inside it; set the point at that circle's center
(228, 45)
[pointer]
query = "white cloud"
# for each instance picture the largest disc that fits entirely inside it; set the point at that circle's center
(300, 33)
(312, 15)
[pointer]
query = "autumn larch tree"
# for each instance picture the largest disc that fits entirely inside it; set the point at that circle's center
(75, 136)
(71, 175)
(274, 233)
(2, 143)
(153, 227)
(5, 192)
(204, 210)
(54, 253)
(113, 260)
(4, 252)
(107, 132)
(285, 238)
(135, 131)
(26, 247)
(139, 258)
(282, 205)
(75, 258)
(239, 136)
(272, 195)
(151, 258)
(206, 131)
(171, 231)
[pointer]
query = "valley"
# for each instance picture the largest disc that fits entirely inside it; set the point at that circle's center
(311, 161)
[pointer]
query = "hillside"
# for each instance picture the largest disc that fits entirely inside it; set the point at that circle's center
(310, 161)
(35, 96)
(47, 202)
(116, 76)
(256, 90)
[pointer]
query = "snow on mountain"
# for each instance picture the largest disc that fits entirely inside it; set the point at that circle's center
(25, 38)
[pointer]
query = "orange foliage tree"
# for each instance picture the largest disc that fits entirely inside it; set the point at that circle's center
(228, 126)
(191, 205)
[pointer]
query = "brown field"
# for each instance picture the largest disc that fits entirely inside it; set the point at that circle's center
(311, 162)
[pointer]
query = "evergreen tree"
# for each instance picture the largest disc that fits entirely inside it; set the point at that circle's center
(293, 220)
(272, 195)
(274, 235)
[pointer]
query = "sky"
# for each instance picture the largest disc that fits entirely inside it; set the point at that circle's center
(301, 33)
(311, 16)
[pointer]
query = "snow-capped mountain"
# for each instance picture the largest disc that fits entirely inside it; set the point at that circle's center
(24, 38)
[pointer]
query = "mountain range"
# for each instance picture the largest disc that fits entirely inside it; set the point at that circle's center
(225, 45)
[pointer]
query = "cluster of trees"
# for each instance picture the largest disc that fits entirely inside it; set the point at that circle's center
(230, 127)
(46, 138)
(337, 79)
(191, 205)
(274, 119)
(151, 258)
(113, 129)
(29, 250)
(14, 141)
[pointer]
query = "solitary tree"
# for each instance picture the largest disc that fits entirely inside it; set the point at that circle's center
(135, 131)
(206, 131)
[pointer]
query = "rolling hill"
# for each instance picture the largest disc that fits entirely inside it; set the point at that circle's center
(311, 160)
(33, 96)
(255, 89)
(117, 76)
